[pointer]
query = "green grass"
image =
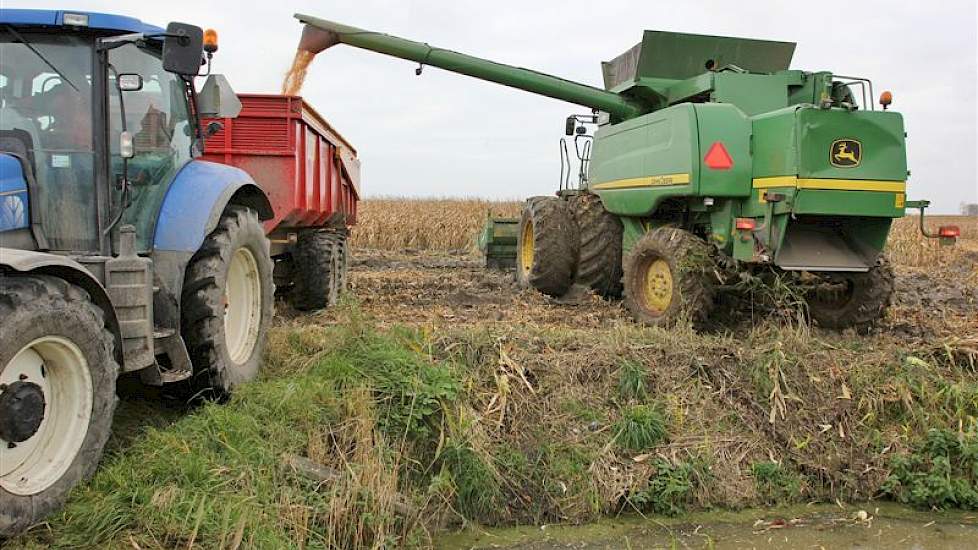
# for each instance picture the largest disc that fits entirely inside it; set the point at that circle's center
(428, 422)
(775, 483)
(631, 381)
(640, 428)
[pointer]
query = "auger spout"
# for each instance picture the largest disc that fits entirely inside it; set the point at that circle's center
(320, 34)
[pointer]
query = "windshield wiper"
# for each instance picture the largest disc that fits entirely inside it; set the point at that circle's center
(41, 56)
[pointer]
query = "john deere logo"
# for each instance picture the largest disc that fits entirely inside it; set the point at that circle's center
(846, 153)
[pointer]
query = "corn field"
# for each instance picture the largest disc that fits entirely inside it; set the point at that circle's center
(425, 224)
(454, 225)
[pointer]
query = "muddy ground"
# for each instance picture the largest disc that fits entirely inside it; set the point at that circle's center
(415, 287)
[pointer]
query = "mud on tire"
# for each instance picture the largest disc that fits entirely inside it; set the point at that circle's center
(858, 300)
(318, 269)
(547, 246)
(205, 302)
(669, 274)
(34, 309)
(599, 265)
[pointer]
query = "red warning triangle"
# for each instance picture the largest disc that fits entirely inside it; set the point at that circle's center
(717, 158)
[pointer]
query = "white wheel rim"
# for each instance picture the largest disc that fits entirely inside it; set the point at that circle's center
(242, 305)
(59, 368)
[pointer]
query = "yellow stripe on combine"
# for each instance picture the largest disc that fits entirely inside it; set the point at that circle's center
(647, 181)
(832, 184)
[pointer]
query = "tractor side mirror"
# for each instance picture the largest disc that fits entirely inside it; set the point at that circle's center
(183, 48)
(217, 99)
(570, 125)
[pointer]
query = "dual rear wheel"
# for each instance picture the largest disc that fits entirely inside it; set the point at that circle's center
(668, 275)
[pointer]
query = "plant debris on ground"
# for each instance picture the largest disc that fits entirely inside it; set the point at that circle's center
(439, 394)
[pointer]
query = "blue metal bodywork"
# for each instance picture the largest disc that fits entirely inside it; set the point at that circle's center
(14, 208)
(194, 203)
(55, 18)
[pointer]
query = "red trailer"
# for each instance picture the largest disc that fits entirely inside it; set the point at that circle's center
(312, 177)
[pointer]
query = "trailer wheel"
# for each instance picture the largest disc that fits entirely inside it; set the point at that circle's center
(669, 274)
(547, 246)
(599, 265)
(852, 300)
(57, 395)
(227, 303)
(319, 269)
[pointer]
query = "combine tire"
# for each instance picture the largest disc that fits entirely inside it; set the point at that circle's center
(319, 269)
(547, 245)
(57, 395)
(853, 300)
(599, 263)
(669, 275)
(227, 303)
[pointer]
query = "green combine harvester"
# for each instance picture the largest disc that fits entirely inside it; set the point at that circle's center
(711, 158)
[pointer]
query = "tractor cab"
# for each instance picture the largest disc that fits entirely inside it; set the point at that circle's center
(98, 121)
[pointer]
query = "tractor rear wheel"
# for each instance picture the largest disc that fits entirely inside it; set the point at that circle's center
(599, 264)
(227, 303)
(852, 300)
(57, 395)
(669, 275)
(547, 246)
(318, 269)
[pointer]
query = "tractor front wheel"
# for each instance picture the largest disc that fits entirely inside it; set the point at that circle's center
(57, 395)
(547, 246)
(852, 300)
(227, 303)
(669, 274)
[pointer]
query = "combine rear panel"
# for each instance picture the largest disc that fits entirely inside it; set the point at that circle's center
(309, 171)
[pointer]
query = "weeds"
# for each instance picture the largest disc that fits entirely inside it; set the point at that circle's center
(640, 427)
(668, 491)
(631, 381)
(941, 473)
(775, 484)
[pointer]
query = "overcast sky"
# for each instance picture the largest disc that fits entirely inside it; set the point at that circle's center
(449, 135)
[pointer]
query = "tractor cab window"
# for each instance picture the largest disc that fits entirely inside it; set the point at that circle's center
(46, 117)
(158, 118)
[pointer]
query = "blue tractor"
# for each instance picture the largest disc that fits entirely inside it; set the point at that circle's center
(120, 251)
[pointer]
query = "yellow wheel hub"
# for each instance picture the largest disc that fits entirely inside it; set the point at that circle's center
(657, 291)
(526, 249)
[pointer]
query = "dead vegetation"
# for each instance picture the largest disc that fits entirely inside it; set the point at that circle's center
(440, 394)
(425, 224)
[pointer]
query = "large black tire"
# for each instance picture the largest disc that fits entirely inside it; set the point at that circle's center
(855, 300)
(318, 269)
(222, 362)
(36, 313)
(547, 246)
(670, 274)
(599, 265)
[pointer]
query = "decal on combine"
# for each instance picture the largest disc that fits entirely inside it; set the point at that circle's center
(845, 153)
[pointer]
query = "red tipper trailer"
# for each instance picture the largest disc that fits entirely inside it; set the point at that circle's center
(312, 177)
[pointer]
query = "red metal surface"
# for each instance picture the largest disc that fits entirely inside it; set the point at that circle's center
(309, 171)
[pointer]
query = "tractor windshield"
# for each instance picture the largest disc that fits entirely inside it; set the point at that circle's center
(46, 117)
(159, 120)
